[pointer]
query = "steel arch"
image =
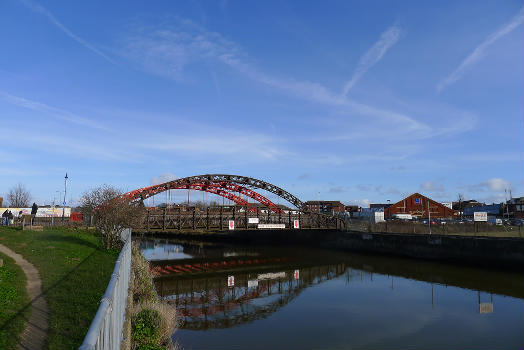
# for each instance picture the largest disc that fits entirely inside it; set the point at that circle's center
(221, 189)
(230, 182)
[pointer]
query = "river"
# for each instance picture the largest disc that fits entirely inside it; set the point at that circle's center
(286, 296)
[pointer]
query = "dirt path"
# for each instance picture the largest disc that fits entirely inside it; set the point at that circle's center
(35, 332)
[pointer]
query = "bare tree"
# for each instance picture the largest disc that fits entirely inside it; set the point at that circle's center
(18, 196)
(112, 213)
(460, 200)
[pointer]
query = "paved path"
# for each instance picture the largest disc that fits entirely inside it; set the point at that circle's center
(35, 332)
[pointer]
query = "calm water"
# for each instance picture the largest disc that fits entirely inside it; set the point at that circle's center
(282, 297)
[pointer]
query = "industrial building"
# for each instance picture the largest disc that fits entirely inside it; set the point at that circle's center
(326, 207)
(420, 206)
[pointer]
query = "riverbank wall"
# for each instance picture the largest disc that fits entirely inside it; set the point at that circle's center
(493, 252)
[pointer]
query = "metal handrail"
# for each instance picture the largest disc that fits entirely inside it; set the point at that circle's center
(106, 330)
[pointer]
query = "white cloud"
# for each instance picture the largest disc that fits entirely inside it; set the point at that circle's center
(160, 179)
(77, 146)
(364, 203)
(166, 50)
(497, 184)
(49, 110)
(235, 144)
(33, 6)
(373, 55)
(479, 50)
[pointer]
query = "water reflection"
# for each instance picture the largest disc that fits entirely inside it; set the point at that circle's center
(287, 296)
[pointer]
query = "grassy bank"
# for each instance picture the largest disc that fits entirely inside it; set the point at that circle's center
(74, 272)
(153, 321)
(13, 299)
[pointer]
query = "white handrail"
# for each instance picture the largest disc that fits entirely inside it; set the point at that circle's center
(106, 330)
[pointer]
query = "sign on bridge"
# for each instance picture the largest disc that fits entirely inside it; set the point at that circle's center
(271, 226)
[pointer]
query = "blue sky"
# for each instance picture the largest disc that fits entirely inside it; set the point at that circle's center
(360, 101)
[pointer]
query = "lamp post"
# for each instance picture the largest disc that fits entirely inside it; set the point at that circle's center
(53, 212)
(64, 203)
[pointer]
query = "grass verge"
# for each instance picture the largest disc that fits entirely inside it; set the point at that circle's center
(153, 321)
(75, 272)
(13, 299)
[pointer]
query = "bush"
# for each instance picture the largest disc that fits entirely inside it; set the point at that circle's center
(145, 327)
(143, 289)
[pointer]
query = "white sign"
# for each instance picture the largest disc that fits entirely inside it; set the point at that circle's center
(480, 216)
(231, 224)
(448, 204)
(230, 281)
(296, 223)
(252, 220)
(271, 276)
(379, 216)
(296, 274)
(271, 225)
(252, 283)
(485, 308)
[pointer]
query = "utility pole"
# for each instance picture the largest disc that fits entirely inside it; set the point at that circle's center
(65, 193)
(429, 218)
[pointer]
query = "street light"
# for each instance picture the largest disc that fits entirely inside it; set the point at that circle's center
(65, 193)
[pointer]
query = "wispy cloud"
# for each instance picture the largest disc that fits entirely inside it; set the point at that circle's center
(160, 179)
(373, 55)
(168, 49)
(479, 50)
(494, 185)
(77, 146)
(33, 6)
(259, 146)
(49, 110)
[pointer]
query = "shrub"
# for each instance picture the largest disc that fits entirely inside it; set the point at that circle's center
(161, 316)
(145, 327)
(142, 284)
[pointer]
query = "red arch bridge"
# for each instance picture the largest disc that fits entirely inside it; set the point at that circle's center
(261, 213)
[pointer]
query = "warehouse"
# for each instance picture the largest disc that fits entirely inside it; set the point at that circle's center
(418, 205)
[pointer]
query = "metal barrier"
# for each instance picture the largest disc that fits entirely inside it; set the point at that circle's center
(106, 330)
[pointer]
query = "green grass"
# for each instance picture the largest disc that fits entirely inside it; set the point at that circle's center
(13, 302)
(75, 272)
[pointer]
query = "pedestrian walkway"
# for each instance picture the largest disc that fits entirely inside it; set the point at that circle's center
(35, 332)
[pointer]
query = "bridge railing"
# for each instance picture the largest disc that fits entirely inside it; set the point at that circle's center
(106, 330)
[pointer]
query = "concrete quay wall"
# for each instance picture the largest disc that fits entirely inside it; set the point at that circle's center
(507, 253)
(483, 251)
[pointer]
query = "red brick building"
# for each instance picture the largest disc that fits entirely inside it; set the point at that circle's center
(417, 205)
(325, 206)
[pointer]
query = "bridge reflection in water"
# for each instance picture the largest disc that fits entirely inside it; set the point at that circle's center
(219, 287)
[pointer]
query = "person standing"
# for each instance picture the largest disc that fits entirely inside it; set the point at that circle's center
(10, 218)
(34, 209)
